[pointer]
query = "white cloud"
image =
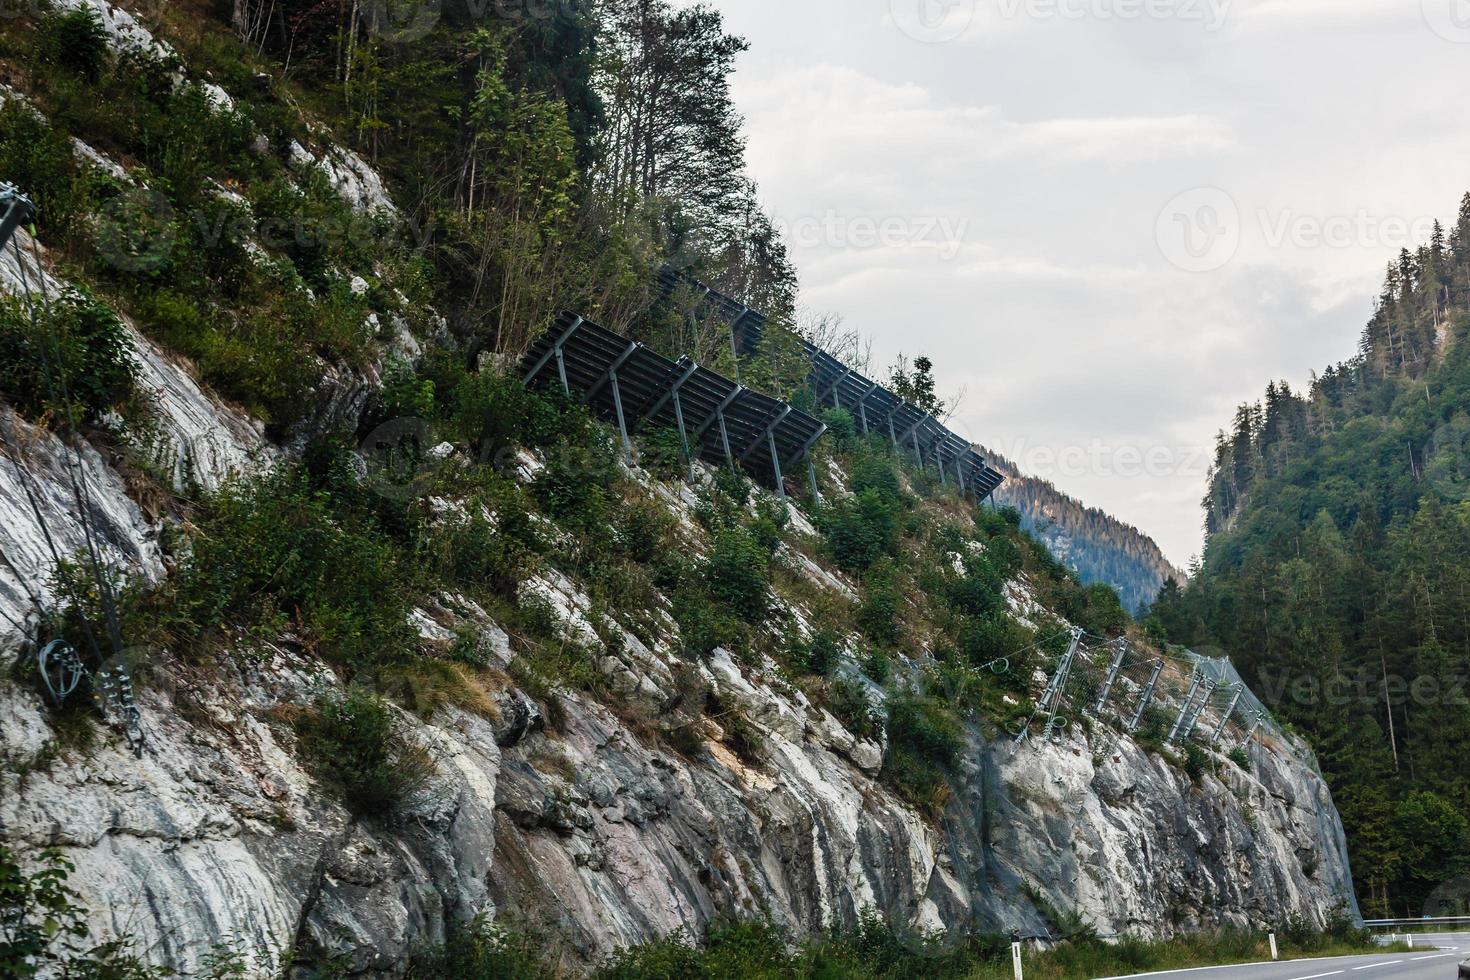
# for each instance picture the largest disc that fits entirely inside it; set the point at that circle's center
(828, 116)
(1053, 152)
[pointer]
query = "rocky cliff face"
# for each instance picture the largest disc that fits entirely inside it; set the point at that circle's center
(217, 834)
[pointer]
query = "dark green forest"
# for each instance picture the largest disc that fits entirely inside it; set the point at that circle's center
(1337, 575)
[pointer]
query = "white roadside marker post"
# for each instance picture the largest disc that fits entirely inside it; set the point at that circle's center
(1016, 959)
(1274, 955)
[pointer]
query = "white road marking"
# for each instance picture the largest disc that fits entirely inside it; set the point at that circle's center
(1315, 976)
(1372, 965)
(1436, 956)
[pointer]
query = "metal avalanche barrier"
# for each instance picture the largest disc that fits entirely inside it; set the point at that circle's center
(874, 407)
(718, 420)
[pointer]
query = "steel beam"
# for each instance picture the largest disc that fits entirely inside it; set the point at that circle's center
(725, 439)
(1184, 709)
(716, 415)
(18, 211)
(832, 389)
(555, 350)
(807, 446)
(673, 391)
(769, 431)
(612, 370)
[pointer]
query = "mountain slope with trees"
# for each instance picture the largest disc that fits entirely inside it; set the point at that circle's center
(1337, 575)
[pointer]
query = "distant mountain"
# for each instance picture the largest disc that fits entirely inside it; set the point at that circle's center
(1097, 546)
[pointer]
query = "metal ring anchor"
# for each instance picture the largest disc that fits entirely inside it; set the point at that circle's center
(61, 670)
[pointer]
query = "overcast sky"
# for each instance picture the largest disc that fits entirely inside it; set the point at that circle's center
(1110, 220)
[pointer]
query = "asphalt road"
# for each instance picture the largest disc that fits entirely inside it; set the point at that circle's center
(1438, 959)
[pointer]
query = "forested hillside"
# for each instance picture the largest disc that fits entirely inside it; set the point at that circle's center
(1337, 575)
(1091, 542)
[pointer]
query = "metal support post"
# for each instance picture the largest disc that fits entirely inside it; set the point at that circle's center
(1059, 679)
(1194, 714)
(811, 472)
(1107, 688)
(612, 370)
(1225, 719)
(683, 436)
(667, 396)
(18, 210)
(776, 461)
(725, 440)
(1148, 695)
(622, 423)
(717, 415)
(1184, 709)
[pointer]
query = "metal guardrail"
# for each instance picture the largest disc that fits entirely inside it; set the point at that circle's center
(1424, 921)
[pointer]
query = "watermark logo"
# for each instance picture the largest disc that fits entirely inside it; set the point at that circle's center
(1447, 458)
(400, 459)
(136, 231)
(402, 21)
(1199, 230)
(1450, 19)
(932, 21)
(1449, 900)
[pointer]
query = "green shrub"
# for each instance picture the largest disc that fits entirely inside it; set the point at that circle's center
(924, 743)
(977, 592)
(1196, 761)
(274, 550)
(840, 423)
(860, 530)
(575, 486)
(76, 347)
(879, 473)
(753, 949)
(661, 452)
(641, 530)
(1240, 757)
(818, 655)
(877, 666)
(743, 739)
(74, 40)
(736, 574)
(770, 521)
(733, 486)
(850, 704)
(356, 745)
(488, 553)
(703, 625)
(45, 932)
(482, 950)
(877, 613)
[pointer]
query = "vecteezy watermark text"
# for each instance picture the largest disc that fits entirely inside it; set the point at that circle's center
(944, 234)
(1202, 229)
(941, 21)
